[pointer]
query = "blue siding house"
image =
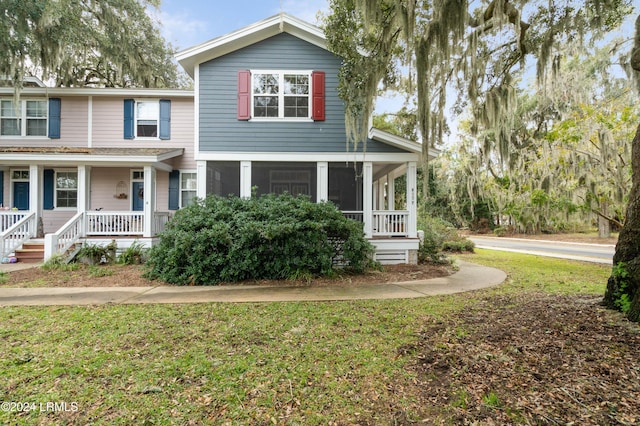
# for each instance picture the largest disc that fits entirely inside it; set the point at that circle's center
(268, 118)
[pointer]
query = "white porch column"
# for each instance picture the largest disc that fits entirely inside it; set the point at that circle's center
(84, 187)
(412, 198)
(367, 198)
(35, 191)
(323, 181)
(245, 179)
(84, 192)
(149, 200)
(381, 194)
(391, 192)
(201, 169)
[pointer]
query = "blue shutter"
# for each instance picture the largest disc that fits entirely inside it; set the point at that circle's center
(49, 188)
(165, 119)
(129, 105)
(174, 190)
(1, 188)
(54, 118)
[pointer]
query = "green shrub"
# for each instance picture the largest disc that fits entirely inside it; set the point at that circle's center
(270, 237)
(133, 255)
(96, 254)
(459, 246)
(59, 262)
(440, 236)
(4, 277)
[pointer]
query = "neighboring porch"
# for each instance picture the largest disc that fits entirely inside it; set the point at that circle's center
(112, 195)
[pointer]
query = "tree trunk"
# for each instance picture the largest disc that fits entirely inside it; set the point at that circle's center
(604, 226)
(623, 287)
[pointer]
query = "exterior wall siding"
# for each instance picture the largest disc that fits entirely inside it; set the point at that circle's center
(52, 220)
(220, 130)
(103, 188)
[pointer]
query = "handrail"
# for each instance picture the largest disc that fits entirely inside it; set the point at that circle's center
(62, 240)
(10, 217)
(18, 233)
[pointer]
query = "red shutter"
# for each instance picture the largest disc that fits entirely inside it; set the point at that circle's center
(244, 95)
(317, 79)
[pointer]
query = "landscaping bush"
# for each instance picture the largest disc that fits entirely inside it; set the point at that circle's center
(439, 236)
(271, 237)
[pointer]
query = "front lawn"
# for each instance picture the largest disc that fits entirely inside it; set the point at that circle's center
(363, 362)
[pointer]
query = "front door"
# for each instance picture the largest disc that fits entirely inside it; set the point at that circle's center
(137, 190)
(21, 195)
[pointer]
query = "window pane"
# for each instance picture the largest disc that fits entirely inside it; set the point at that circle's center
(147, 110)
(36, 127)
(36, 109)
(296, 84)
(265, 106)
(10, 127)
(189, 181)
(67, 180)
(188, 197)
(265, 84)
(296, 106)
(8, 109)
(67, 199)
(147, 128)
(137, 175)
(20, 174)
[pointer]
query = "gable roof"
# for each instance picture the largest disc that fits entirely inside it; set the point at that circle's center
(281, 23)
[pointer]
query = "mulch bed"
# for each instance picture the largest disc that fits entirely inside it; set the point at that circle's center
(530, 359)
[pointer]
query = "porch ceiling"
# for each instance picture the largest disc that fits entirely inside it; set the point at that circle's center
(68, 156)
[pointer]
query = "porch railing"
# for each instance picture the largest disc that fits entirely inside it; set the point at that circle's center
(115, 223)
(65, 237)
(391, 223)
(160, 220)
(8, 218)
(16, 234)
(353, 215)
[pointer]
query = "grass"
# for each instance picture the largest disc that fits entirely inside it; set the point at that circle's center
(269, 363)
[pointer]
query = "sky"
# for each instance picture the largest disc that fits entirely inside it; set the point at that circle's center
(186, 23)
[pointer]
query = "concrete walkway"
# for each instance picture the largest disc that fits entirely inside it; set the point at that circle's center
(469, 277)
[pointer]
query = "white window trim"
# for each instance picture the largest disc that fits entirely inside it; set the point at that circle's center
(23, 119)
(182, 172)
(55, 189)
(281, 116)
(135, 119)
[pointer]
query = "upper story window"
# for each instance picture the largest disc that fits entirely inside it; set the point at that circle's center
(147, 119)
(281, 95)
(27, 118)
(30, 118)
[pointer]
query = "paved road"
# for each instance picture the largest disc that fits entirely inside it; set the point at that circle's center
(598, 253)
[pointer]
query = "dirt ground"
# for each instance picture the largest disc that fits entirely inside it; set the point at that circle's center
(529, 359)
(131, 276)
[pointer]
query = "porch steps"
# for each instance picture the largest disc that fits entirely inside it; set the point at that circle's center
(31, 252)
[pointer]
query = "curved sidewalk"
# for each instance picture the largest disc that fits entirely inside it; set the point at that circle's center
(469, 277)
